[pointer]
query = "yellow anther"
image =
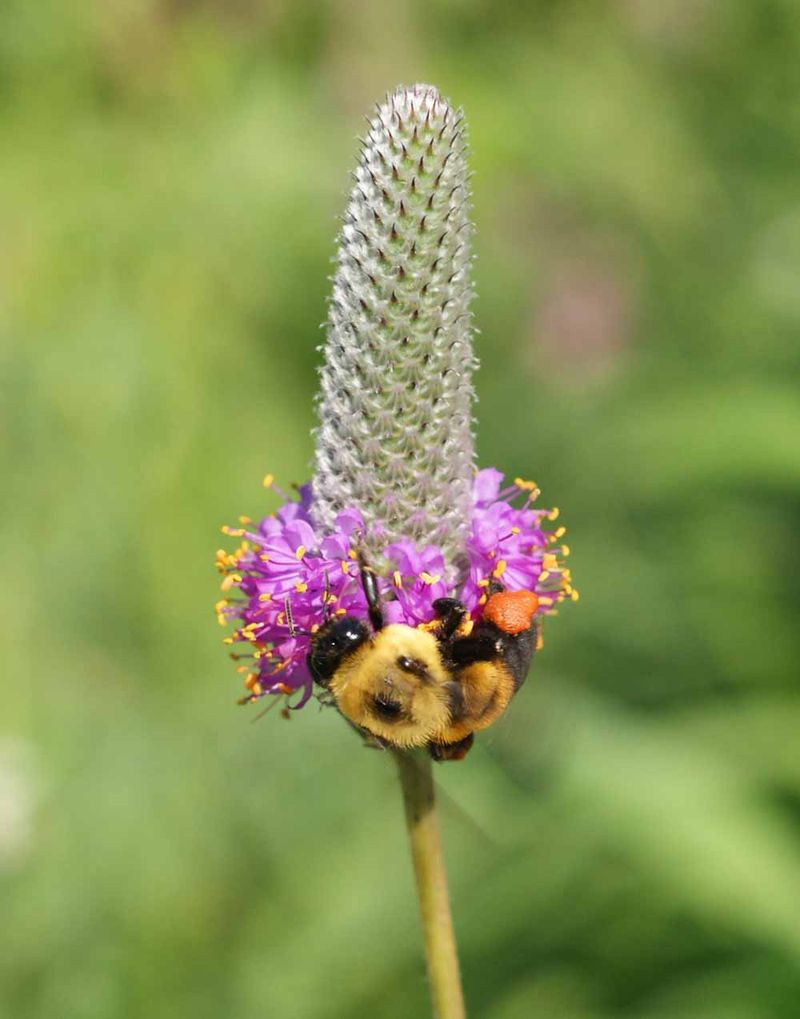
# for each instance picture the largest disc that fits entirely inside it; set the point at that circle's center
(244, 547)
(345, 567)
(245, 520)
(500, 569)
(427, 578)
(300, 587)
(266, 596)
(232, 532)
(543, 576)
(525, 486)
(565, 550)
(227, 640)
(314, 627)
(482, 600)
(281, 620)
(554, 513)
(229, 581)
(301, 551)
(264, 557)
(559, 532)
(341, 612)
(575, 596)
(549, 561)
(539, 640)
(221, 604)
(483, 582)
(397, 578)
(545, 599)
(515, 530)
(268, 480)
(353, 554)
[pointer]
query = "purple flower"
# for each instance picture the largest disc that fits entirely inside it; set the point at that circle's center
(286, 577)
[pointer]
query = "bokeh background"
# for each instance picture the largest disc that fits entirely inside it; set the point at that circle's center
(626, 843)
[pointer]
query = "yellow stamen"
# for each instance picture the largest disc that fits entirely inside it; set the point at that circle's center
(515, 530)
(345, 567)
(575, 595)
(565, 550)
(554, 513)
(353, 554)
(264, 558)
(301, 551)
(426, 578)
(245, 520)
(500, 569)
(559, 532)
(227, 640)
(543, 576)
(300, 587)
(268, 480)
(265, 597)
(483, 582)
(229, 581)
(397, 578)
(525, 486)
(232, 532)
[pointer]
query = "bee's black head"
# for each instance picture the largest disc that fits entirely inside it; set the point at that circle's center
(332, 643)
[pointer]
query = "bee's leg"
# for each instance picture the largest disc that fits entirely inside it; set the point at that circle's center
(477, 647)
(451, 612)
(451, 751)
(369, 583)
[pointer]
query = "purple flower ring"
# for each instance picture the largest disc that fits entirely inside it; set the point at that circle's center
(287, 577)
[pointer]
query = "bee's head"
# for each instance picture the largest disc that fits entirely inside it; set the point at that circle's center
(332, 644)
(396, 686)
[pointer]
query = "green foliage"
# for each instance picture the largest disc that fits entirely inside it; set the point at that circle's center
(626, 844)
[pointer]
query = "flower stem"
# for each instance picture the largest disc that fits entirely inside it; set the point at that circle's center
(416, 780)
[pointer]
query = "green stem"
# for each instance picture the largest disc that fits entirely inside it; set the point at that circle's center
(416, 779)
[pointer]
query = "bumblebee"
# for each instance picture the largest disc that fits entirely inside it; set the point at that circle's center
(432, 686)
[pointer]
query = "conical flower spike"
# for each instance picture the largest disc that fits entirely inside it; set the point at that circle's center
(395, 437)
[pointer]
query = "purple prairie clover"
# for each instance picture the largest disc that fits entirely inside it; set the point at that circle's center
(395, 478)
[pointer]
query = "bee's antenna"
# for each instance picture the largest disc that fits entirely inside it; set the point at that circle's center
(326, 597)
(369, 582)
(294, 631)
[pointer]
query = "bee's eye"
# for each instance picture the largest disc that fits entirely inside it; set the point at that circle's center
(413, 666)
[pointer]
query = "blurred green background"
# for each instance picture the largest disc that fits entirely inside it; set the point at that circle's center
(627, 842)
